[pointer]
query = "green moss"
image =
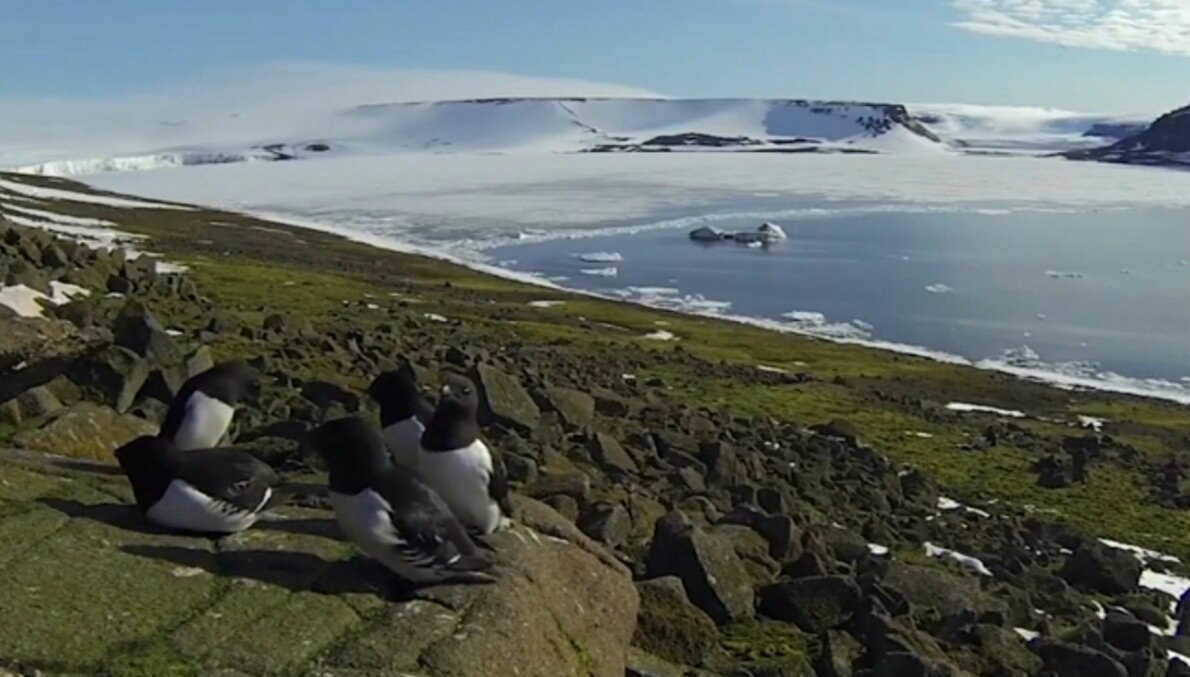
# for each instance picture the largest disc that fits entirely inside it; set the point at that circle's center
(766, 646)
(149, 659)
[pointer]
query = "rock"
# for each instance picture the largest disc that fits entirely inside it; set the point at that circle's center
(846, 545)
(573, 484)
(839, 653)
(1063, 659)
(117, 374)
(10, 413)
(504, 401)
(34, 352)
(1002, 652)
(558, 609)
(118, 284)
(670, 626)
(934, 591)
(136, 329)
(752, 550)
(199, 361)
(841, 429)
(919, 488)
(565, 505)
(783, 536)
(1102, 569)
(608, 524)
(86, 430)
(609, 404)
(324, 394)
(713, 575)
(1178, 668)
(815, 604)
(575, 407)
(611, 456)
(520, 468)
(38, 403)
(52, 256)
(1126, 633)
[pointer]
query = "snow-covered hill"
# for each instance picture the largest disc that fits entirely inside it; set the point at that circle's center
(551, 125)
(1166, 142)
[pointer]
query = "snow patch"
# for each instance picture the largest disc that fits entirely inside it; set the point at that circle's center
(42, 193)
(545, 304)
(435, 317)
(972, 563)
(984, 409)
(660, 335)
(27, 302)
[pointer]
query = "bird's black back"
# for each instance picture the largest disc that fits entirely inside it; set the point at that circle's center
(228, 382)
(399, 396)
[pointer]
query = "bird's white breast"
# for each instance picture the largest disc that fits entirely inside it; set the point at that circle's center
(184, 507)
(205, 423)
(461, 478)
(403, 439)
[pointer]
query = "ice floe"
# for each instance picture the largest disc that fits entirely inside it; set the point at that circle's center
(610, 271)
(1064, 274)
(600, 257)
(939, 288)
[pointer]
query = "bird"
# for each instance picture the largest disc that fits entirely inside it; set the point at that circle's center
(388, 513)
(403, 413)
(219, 491)
(204, 407)
(456, 463)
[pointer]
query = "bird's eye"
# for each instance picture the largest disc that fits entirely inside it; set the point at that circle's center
(467, 390)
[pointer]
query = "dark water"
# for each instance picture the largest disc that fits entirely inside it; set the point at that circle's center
(1128, 308)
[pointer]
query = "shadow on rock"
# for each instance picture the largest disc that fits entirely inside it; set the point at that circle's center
(294, 571)
(119, 515)
(304, 526)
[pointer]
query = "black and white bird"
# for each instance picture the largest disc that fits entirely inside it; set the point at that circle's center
(389, 514)
(208, 490)
(204, 407)
(457, 464)
(403, 413)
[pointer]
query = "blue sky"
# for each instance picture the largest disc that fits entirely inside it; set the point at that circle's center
(1080, 54)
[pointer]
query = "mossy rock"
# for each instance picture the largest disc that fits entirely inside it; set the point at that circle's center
(768, 648)
(669, 626)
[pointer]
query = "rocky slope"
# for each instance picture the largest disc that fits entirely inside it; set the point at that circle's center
(1166, 142)
(691, 512)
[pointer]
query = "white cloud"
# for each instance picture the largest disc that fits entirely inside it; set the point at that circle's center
(1159, 25)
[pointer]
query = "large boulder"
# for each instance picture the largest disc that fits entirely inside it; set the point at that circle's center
(815, 604)
(611, 456)
(116, 374)
(562, 606)
(1064, 659)
(573, 406)
(34, 352)
(86, 430)
(714, 577)
(136, 329)
(670, 626)
(1102, 569)
(504, 401)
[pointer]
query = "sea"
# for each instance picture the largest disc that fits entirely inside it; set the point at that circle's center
(1100, 293)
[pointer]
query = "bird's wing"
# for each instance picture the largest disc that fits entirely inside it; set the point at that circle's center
(427, 532)
(498, 483)
(228, 475)
(176, 414)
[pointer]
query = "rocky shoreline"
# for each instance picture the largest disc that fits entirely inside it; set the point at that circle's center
(732, 502)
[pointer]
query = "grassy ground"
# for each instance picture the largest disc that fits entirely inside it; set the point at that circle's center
(252, 267)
